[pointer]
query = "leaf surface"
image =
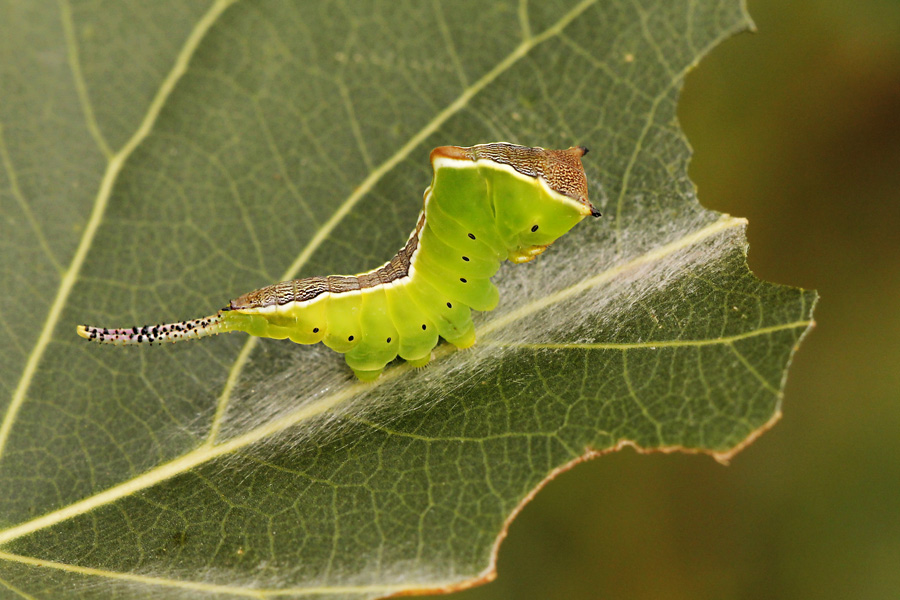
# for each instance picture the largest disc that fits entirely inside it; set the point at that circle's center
(162, 158)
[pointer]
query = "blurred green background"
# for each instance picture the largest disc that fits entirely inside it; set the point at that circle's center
(797, 128)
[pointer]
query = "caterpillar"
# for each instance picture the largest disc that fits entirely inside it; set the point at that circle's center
(486, 203)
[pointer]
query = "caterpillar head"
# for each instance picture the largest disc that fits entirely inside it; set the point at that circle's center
(536, 195)
(560, 170)
(564, 174)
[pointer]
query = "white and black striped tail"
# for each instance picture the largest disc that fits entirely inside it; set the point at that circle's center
(148, 334)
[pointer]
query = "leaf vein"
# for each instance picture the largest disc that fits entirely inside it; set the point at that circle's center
(724, 340)
(113, 169)
(80, 86)
(23, 205)
(212, 588)
(753, 371)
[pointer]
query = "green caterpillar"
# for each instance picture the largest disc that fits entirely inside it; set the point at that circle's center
(485, 204)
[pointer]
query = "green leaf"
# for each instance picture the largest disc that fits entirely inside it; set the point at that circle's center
(162, 158)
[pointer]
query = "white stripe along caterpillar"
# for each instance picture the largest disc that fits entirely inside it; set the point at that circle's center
(485, 203)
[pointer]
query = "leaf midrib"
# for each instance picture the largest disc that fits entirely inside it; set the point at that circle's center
(653, 345)
(212, 588)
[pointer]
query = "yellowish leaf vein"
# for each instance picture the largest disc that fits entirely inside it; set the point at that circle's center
(113, 169)
(211, 588)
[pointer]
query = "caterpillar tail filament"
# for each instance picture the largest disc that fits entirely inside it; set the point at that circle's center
(192, 329)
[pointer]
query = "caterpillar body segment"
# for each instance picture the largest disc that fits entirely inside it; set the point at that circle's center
(486, 204)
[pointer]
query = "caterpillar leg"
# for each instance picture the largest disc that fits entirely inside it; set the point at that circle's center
(371, 375)
(526, 254)
(467, 340)
(420, 362)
